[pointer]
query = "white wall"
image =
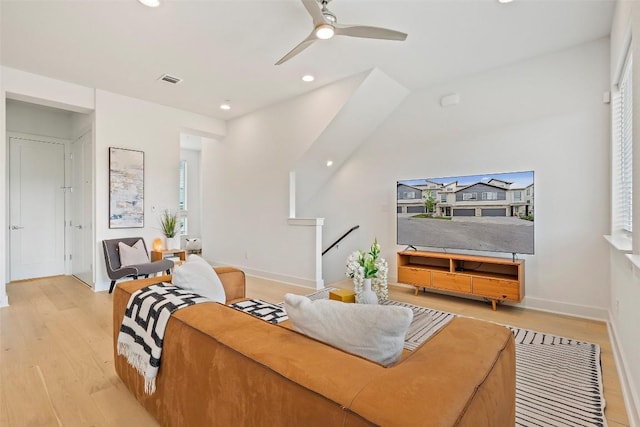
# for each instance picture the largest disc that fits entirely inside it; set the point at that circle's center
(625, 282)
(545, 114)
(38, 120)
(245, 186)
(194, 193)
(131, 123)
(81, 123)
(38, 89)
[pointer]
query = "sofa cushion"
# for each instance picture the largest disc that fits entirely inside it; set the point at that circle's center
(375, 332)
(199, 277)
(133, 255)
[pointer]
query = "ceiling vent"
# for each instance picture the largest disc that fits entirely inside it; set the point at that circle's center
(170, 79)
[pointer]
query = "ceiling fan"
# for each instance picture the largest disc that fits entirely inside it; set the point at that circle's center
(325, 26)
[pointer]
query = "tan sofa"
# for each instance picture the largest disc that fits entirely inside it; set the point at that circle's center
(222, 367)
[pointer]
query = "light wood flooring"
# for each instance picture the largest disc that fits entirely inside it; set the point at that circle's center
(56, 356)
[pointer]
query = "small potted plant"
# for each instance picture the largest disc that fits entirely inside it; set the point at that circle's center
(169, 224)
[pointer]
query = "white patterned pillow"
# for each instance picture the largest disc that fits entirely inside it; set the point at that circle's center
(133, 255)
(197, 275)
(375, 332)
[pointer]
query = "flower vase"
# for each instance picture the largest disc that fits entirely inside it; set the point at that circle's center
(172, 242)
(367, 296)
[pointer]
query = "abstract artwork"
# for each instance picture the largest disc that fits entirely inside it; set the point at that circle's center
(126, 188)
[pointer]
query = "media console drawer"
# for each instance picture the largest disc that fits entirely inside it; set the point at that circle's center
(497, 288)
(414, 276)
(452, 282)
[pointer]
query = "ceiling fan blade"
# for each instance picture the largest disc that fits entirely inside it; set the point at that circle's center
(314, 10)
(369, 32)
(302, 46)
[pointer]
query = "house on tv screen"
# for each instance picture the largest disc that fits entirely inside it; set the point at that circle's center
(494, 198)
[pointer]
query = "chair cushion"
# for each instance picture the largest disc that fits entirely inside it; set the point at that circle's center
(133, 255)
(198, 276)
(153, 267)
(375, 332)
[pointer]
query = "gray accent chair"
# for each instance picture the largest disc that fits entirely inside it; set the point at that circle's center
(116, 271)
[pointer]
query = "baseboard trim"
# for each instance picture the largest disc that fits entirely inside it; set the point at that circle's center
(283, 278)
(100, 286)
(567, 309)
(631, 399)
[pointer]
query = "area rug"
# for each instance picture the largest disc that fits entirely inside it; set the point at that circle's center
(558, 380)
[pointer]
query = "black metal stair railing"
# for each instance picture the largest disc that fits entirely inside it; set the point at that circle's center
(355, 227)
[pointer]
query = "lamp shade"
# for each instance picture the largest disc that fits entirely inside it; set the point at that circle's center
(158, 245)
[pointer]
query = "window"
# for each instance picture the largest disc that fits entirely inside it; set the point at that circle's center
(621, 111)
(489, 195)
(469, 196)
(182, 201)
(409, 194)
(517, 196)
(443, 198)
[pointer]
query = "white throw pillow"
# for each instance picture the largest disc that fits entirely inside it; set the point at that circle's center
(133, 255)
(199, 277)
(375, 332)
(196, 258)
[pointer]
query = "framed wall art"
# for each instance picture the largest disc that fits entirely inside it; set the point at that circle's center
(126, 188)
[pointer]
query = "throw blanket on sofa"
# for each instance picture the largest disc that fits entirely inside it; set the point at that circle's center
(142, 331)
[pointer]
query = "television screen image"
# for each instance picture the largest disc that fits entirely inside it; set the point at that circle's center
(491, 212)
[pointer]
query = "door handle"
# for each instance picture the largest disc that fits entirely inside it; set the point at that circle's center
(17, 227)
(79, 227)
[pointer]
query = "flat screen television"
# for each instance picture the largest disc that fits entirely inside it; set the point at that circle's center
(491, 212)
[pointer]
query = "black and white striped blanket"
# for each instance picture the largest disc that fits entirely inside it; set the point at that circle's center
(142, 331)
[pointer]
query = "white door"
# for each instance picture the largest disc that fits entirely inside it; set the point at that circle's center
(81, 210)
(36, 176)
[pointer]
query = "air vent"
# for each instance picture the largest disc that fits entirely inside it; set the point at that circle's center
(170, 79)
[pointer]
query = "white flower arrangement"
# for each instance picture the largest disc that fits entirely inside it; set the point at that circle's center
(370, 265)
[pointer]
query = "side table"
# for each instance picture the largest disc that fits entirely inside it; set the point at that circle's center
(158, 255)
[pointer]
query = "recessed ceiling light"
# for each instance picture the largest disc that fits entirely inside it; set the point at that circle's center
(308, 78)
(150, 3)
(505, 1)
(226, 105)
(329, 163)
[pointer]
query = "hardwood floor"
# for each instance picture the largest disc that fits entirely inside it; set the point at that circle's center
(56, 356)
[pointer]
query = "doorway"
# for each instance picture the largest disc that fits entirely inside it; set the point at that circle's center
(50, 192)
(36, 215)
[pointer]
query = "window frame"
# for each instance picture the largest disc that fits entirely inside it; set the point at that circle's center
(622, 150)
(183, 189)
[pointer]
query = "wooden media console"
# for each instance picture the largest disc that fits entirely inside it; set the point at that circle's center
(496, 279)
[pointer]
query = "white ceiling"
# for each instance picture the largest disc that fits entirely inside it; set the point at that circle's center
(226, 49)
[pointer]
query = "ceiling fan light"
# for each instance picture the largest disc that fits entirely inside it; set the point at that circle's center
(324, 31)
(150, 3)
